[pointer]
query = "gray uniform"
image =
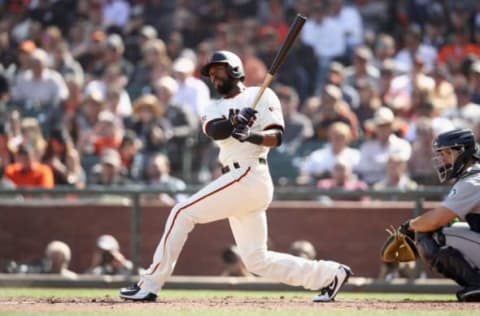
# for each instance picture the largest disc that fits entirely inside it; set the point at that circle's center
(464, 199)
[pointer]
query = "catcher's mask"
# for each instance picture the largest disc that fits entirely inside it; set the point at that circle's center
(233, 62)
(461, 145)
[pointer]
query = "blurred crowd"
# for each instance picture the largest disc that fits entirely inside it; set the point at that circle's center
(108, 92)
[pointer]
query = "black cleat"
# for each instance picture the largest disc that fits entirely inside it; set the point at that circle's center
(469, 294)
(136, 293)
(328, 293)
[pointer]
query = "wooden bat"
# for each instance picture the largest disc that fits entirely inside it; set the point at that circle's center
(292, 35)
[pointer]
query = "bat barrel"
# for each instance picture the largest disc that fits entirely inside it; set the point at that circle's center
(292, 35)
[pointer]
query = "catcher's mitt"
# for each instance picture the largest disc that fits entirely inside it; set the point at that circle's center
(398, 247)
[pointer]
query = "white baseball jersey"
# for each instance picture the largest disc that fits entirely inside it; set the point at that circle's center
(242, 196)
(269, 114)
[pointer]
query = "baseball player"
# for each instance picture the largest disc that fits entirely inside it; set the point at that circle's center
(242, 194)
(454, 249)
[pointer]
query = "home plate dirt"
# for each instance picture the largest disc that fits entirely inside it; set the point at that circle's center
(235, 303)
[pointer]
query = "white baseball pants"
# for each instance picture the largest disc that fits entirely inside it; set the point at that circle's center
(241, 195)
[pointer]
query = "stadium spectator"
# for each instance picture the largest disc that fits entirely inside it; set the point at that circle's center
(109, 170)
(64, 160)
(326, 36)
(57, 259)
(336, 74)
(24, 50)
(298, 127)
(107, 259)
(112, 79)
(192, 92)
(149, 124)
(384, 49)
(234, 265)
(40, 85)
(133, 161)
(184, 127)
(320, 162)
(136, 33)
(333, 109)
(106, 133)
(362, 67)
(31, 134)
(154, 63)
(115, 12)
(369, 101)
(396, 176)
(157, 174)
(419, 165)
(443, 93)
(374, 152)
(27, 171)
(414, 48)
(303, 248)
(349, 18)
(460, 47)
(465, 112)
(341, 177)
(65, 64)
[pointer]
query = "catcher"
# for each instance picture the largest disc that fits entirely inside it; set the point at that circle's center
(453, 250)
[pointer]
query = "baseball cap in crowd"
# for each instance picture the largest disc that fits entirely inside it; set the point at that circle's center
(149, 32)
(108, 243)
(115, 41)
(382, 116)
(40, 55)
(183, 65)
(168, 83)
(336, 72)
(363, 52)
(333, 91)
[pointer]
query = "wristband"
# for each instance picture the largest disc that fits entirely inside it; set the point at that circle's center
(255, 138)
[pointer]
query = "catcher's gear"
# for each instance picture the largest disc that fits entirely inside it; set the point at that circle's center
(398, 247)
(241, 132)
(462, 140)
(233, 62)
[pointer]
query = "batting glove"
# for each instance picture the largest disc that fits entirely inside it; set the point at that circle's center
(241, 132)
(246, 116)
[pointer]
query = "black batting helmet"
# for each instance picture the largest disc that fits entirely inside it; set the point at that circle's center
(462, 140)
(233, 62)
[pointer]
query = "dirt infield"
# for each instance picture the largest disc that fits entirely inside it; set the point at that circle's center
(56, 304)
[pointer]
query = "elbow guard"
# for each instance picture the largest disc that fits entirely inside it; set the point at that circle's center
(219, 129)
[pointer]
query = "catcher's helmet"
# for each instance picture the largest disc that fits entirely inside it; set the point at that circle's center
(233, 62)
(462, 140)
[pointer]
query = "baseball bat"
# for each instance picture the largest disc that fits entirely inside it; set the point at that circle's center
(292, 35)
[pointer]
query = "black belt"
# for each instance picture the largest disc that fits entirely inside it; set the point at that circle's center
(236, 165)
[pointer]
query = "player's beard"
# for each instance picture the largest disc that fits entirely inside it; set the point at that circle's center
(226, 86)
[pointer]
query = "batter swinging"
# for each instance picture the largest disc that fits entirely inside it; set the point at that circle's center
(244, 136)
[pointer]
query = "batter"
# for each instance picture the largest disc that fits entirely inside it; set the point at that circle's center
(242, 194)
